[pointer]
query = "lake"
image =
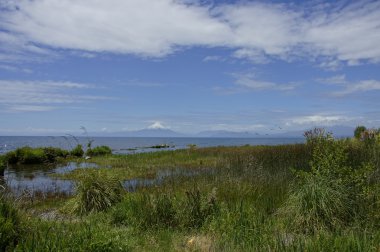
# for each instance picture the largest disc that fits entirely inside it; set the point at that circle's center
(127, 145)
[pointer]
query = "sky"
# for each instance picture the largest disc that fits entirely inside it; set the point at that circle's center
(187, 65)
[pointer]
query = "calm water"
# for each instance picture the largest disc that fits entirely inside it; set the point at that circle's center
(124, 145)
(33, 179)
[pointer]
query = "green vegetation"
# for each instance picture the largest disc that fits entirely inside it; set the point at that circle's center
(10, 229)
(77, 151)
(99, 151)
(48, 155)
(358, 131)
(323, 195)
(95, 193)
(3, 165)
(28, 155)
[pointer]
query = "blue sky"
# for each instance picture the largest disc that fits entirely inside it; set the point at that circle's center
(187, 65)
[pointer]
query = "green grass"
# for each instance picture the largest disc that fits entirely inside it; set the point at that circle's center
(320, 196)
(28, 155)
(95, 193)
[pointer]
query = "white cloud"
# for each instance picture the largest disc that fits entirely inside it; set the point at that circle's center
(39, 96)
(213, 58)
(152, 28)
(29, 108)
(252, 55)
(351, 87)
(359, 87)
(250, 81)
(337, 79)
(331, 33)
(16, 69)
(320, 120)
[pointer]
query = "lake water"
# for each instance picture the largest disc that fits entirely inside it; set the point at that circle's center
(126, 145)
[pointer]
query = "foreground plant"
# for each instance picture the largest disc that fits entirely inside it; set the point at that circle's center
(96, 192)
(332, 194)
(9, 224)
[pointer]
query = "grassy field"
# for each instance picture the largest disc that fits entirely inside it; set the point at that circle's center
(318, 196)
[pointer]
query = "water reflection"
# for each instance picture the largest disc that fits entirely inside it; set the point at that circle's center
(37, 180)
(33, 179)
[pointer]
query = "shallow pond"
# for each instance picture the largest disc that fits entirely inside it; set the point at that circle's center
(37, 180)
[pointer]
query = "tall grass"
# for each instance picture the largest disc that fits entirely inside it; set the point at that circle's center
(10, 226)
(95, 193)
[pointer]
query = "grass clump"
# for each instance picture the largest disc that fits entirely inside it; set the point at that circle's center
(96, 192)
(164, 210)
(9, 225)
(198, 208)
(99, 151)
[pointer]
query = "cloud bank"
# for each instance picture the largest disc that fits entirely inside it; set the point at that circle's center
(328, 33)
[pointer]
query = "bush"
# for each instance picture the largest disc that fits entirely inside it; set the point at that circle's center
(96, 192)
(333, 192)
(9, 225)
(28, 155)
(99, 151)
(358, 131)
(77, 151)
(3, 165)
(53, 154)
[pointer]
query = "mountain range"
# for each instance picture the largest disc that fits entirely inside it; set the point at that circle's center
(338, 131)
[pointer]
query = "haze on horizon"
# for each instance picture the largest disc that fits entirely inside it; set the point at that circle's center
(187, 65)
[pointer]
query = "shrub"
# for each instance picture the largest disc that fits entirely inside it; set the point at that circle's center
(77, 151)
(52, 154)
(358, 131)
(3, 165)
(99, 151)
(9, 225)
(332, 193)
(28, 155)
(96, 192)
